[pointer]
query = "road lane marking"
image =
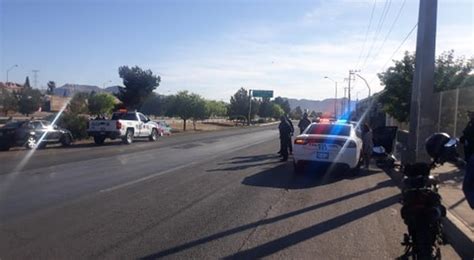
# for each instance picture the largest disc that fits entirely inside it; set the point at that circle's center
(146, 177)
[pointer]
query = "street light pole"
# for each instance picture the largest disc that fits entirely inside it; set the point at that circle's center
(250, 105)
(8, 70)
(365, 81)
(335, 95)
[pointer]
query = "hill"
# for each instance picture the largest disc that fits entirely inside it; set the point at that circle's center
(68, 90)
(325, 106)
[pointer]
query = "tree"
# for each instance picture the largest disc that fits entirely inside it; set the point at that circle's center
(450, 73)
(27, 83)
(266, 108)
(277, 111)
(29, 100)
(216, 108)
(156, 105)
(139, 84)
(51, 87)
(398, 81)
(78, 104)
(187, 106)
(297, 113)
(100, 104)
(239, 105)
(8, 101)
(284, 104)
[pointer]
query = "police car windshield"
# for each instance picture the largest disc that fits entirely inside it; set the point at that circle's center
(124, 116)
(329, 129)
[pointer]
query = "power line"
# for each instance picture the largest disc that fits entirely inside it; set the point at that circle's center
(367, 33)
(390, 30)
(396, 50)
(385, 10)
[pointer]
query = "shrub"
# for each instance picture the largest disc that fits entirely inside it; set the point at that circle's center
(77, 124)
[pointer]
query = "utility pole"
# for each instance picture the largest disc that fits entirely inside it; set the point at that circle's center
(250, 105)
(422, 107)
(35, 78)
(351, 76)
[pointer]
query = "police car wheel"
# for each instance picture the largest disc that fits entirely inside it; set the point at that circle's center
(154, 135)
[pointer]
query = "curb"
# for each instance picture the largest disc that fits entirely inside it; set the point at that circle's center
(457, 233)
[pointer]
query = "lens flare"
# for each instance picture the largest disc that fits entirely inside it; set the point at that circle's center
(10, 177)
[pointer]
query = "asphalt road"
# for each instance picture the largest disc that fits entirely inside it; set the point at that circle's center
(209, 195)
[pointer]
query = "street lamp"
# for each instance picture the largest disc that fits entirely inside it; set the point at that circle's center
(8, 70)
(335, 95)
(365, 81)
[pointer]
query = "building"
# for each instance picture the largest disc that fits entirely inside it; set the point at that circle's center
(11, 87)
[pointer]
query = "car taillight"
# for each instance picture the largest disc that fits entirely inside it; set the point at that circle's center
(351, 144)
(301, 141)
(118, 125)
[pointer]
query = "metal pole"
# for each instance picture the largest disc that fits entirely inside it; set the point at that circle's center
(8, 70)
(422, 109)
(365, 81)
(335, 100)
(250, 105)
(349, 93)
(439, 110)
(456, 112)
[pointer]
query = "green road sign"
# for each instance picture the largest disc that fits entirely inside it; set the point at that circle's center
(262, 93)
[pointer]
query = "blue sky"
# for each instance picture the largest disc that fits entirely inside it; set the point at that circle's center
(215, 47)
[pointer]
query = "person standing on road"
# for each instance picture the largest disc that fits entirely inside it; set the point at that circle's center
(467, 138)
(290, 145)
(367, 144)
(285, 137)
(304, 122)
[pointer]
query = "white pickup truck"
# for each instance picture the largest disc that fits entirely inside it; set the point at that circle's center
(124, 125)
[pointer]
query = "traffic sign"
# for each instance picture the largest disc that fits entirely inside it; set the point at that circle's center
(262, 93)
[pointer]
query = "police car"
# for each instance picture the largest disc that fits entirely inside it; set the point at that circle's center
(125, 125)
(330, 143)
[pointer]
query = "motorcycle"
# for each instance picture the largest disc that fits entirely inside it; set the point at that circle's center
(422, 210)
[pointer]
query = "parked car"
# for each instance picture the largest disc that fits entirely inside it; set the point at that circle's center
(165, 128)
(124, 125)
(332, 143)
(30, 134)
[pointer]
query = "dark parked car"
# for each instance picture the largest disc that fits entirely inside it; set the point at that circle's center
(29, 133)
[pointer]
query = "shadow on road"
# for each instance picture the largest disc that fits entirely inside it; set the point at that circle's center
(283, 176)
(312, 231)
(296, 237)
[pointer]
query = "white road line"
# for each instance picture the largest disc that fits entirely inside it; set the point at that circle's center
(146, 177)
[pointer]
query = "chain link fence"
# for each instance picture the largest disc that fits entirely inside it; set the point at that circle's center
(453, 110)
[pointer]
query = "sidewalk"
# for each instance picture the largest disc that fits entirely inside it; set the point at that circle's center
(459, 224)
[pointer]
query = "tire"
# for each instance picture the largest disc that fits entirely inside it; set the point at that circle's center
(154, 135)
(30, 142)
(128, 138)
(99, 140)
(66, 140)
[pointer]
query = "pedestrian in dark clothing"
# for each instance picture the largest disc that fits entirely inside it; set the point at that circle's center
(467, 138)
(290, 145)
(285, 137)
(468, 183)
(304, 122)
(367, 144)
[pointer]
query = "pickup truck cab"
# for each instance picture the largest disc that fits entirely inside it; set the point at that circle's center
(124, 125)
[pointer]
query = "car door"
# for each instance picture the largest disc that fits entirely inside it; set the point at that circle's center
(145, 129)
(53, 135)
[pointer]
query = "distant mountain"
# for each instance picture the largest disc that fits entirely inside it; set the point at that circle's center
(112, 89)
(68, 90)
(325, 106)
